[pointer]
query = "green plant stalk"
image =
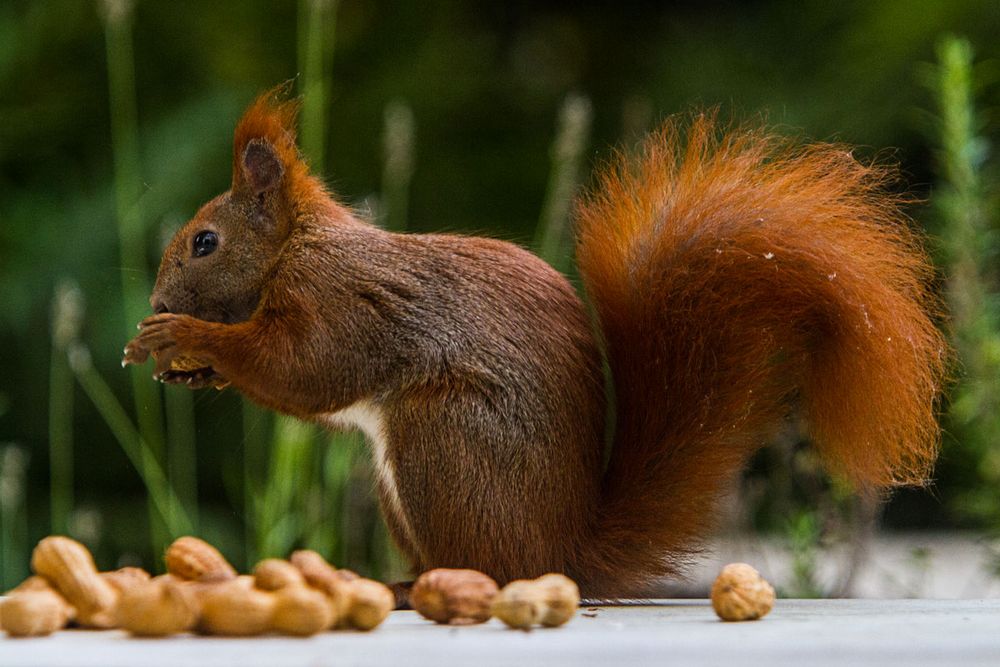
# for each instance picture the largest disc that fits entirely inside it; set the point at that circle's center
(963, 206)
(279, 520)
(317, 19)
(164, 502)
(13, 517)
(67, 311)
(552, 238)
(128, 190)
(182, 457)
(397, 166)
(60, 441)
(255, 425)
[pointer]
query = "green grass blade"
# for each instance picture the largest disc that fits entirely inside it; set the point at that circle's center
(552, 240)
(67, 312)
(166, 507)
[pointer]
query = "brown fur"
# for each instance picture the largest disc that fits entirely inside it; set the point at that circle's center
(482, 364)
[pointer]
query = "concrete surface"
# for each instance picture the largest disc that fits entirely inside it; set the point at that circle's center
(680, 632)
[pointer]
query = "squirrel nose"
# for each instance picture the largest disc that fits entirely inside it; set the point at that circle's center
(158, 304)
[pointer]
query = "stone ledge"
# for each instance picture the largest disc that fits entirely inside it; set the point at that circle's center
(683, 632)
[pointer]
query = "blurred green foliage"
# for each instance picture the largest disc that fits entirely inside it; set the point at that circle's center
(431, 116)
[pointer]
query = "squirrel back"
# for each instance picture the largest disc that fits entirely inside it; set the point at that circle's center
(735, 277)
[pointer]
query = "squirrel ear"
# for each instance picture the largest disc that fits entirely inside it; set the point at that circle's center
(262, 168)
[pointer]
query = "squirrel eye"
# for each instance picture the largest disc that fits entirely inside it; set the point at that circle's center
(205, 243)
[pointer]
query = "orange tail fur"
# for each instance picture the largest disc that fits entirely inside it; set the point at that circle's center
(735, 274)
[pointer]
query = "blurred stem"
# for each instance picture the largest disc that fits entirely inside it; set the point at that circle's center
(117, 16)
(164, 502)
(13, 516)
(182, 460)
(67, 312)
(960, 157)
(397, 168)
(552, 241)
(255, 421)
(278, 520)
(966, 213)
(317, 19)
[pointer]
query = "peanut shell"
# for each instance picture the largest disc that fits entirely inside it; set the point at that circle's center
(456, 597)
(157, 608)
(70, 568)
(370, 604)
(34, 613)
(234, 609)
(272, 574)
(300, 610)
(197, 560)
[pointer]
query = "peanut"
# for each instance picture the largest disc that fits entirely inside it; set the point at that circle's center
(321, 575)
(157, 608)
(34, 613)
(741, 594)
(125, 577)
(457, 597)
(370, 604)
(196, 560)
(70, 568)
(550, 600)
(235, 609)
(32, 583)
(37, 609)
(273, 574)
(301, 610)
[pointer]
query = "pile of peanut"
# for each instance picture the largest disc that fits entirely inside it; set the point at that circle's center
(201, 592)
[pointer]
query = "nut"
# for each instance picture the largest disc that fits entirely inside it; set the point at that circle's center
(194, 367)
(157, 608)
(197, 560)
(550, 600)
(321, 575)
(370, 604)
(125, 577)
(561, 596)
(235, 609)
(741, 594)
(317, 572)
(185, 363)
(301, 610)
(32, 583)
(457, 597)
(34, 613)
(70, 568)
(272, 574)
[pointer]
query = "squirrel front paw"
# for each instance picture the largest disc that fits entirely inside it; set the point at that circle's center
(157, 337)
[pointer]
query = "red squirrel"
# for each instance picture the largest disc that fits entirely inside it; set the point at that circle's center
(734, 277)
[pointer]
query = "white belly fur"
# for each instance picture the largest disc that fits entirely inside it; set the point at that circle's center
(368, 418)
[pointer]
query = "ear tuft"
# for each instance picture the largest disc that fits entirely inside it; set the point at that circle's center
(262, 168)
(264, 150)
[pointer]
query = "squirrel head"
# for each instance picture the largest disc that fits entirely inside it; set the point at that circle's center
(217, 264)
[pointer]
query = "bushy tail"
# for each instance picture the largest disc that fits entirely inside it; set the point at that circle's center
(735, 275)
